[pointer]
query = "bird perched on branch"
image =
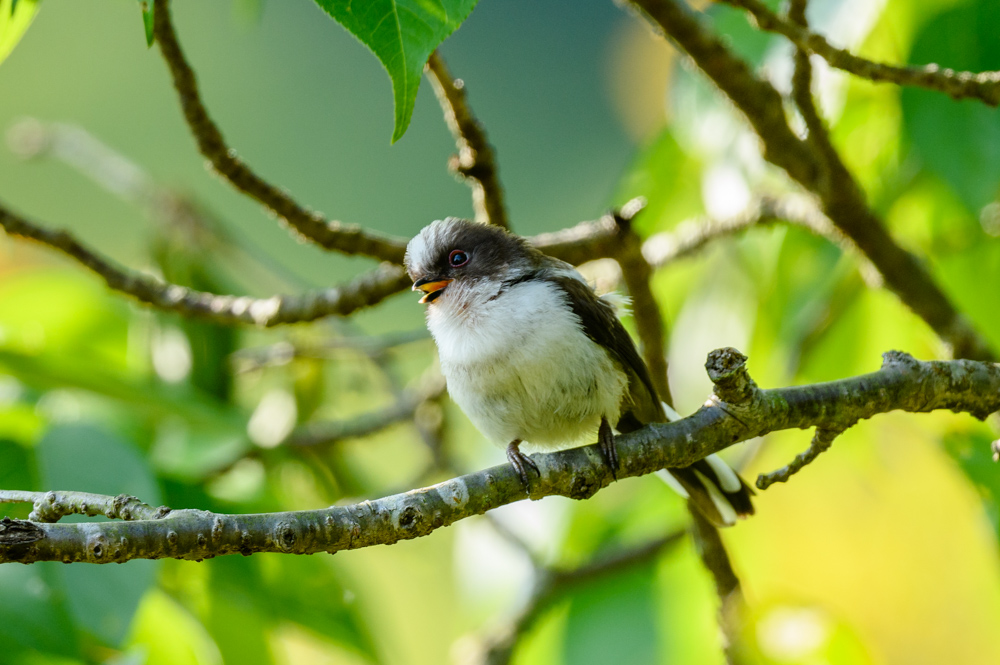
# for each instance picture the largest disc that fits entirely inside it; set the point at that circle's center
(533, 355)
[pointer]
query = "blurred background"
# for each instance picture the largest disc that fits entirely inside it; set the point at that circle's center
(884, 551)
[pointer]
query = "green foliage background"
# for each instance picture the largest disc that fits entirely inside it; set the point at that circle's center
(884, 551)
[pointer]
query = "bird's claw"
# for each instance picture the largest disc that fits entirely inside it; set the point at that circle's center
(521, 464)
(606, 439)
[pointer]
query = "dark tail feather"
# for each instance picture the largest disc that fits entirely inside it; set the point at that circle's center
(717, 491)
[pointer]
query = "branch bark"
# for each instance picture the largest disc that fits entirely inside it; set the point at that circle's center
(311, 225)
(841, 197)
(984, 86)
(476, 161)
(737, 411)
(364, 291)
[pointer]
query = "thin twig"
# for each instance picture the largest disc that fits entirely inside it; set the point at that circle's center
(711, 549)
(364, 291)
(984, 86)
(637, 274)
(403, 408)
(821, 442)
(552, 584)
(53, 506)
(802, 78)
(475, 161)
(282, 353)
(346, 238)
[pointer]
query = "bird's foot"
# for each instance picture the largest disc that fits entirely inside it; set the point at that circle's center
(606, 439)
(521, 464)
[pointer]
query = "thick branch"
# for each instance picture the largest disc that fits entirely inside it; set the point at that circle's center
(475, 161)
(346, 238)
(364, 291)
(739, 411)
(984, 86)
(841, 197)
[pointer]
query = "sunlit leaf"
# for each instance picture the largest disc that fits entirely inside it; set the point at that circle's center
(15, 17)
(958, 140)
(402, 34)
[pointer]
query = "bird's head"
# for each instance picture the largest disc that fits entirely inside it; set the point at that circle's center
(458, 255)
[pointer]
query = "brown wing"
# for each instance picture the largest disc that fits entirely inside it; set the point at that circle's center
(601, 324)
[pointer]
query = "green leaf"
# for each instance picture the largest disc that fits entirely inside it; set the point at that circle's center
(101, 599)
(614, 620)
(147, 19)
(958, 140)
(402, 34)
(15, 17)
(973, 454)
(31, 614)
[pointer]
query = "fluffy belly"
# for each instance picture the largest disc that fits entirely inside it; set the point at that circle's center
(549, 400)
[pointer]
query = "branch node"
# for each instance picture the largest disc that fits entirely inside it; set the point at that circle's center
(900, 358)
(727, 369)
(820, 443)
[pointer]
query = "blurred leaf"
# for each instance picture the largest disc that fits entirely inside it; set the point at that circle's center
(670, 181)
(958, 140)
(102, 599)
(15, 17)
(170, 635)
(614, 620)
(17, 467)
(55, 371)
(972, 452)
(402, 34)
(147, 19)
(31, 614)
(304, 590)
(248, 11)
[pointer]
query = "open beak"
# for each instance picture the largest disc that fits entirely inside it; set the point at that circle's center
(431, 286)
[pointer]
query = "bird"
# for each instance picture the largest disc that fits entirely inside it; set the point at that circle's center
(532, 355)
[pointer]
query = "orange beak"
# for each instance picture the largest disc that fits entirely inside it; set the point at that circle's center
(432, 287)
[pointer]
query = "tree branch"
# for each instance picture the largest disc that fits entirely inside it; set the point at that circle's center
(403, 408)
(311, 225)
(476, 161)
(821, 442)
(552, 584)
(637, 274)
(715, 558)
(984, 86)
(842, 199)
(737, 411)
(53, 506)
(364, 291)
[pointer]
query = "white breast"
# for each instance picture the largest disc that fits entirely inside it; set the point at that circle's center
(521, 367)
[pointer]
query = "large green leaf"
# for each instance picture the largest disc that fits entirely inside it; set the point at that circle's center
(402, 34)
(15, 17)
(958, 140)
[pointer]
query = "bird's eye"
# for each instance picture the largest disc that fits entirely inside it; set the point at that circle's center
(458, 258)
